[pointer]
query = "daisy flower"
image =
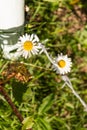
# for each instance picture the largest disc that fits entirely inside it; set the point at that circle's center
(29, 45)
(62, 64)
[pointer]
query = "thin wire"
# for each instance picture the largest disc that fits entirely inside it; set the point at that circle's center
(45, 51)
(68, 82)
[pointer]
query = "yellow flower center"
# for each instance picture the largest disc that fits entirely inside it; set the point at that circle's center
(61, 63)
(28, 45)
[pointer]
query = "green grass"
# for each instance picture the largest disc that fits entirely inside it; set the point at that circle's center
(42, 100)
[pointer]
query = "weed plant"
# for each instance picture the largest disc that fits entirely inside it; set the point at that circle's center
(35, 89)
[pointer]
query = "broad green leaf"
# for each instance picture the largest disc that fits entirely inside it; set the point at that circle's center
(46, 104)
(27, 123)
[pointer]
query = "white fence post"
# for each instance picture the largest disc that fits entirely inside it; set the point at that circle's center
(11, 20)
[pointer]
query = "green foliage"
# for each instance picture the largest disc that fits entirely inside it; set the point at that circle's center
(28, 123)
(42, 124)
(38, 120)
(46, 104)
(41, 100)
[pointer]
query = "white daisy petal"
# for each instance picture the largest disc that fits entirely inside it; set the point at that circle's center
(31, 37)
(62, 64)
(25, 54)
(36, 39)
(27, 36)
(35, 50)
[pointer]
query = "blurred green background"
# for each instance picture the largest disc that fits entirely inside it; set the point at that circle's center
(61, 26)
